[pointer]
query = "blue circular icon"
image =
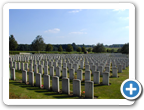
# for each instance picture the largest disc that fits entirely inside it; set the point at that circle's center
(131, 89)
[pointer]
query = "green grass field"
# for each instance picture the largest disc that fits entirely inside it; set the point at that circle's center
(19, 90)
(55, 52)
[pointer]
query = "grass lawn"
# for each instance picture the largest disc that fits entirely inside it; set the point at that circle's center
(19, 90)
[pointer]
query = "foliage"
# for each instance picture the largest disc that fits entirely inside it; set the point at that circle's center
(79, 49)
(125, 49)
(112, 50)
(69, 48)
(55, 48)
(60, 49)
(24, 47)
(38, 44)
(49, 47)
(108, 50)
(99, 48)
(89, 50)
(83, 49)
(12, 43)
(74, 46)
(118, 50)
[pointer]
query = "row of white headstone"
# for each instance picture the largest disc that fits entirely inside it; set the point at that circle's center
(97, 68)
(72, 69)
(71, 61)
(89, 85)
(74, 59)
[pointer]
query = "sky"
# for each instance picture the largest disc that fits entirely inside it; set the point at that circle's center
(67, 26)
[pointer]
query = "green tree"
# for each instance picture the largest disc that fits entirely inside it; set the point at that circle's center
(108, 50)
(12, 43)
(99, 48)
(74, 46)
(89, 50)
(79, 49)
(60, 49)
(83, 49)
(55, 48)
(38, 44)
(112, 50)
(118, 50)
(49, 47)
(125, 49)
(69, 48)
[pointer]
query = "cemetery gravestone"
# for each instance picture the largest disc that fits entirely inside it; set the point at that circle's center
(13, 77)
(64, 72)
(58, 72)
(89, 89)
(79, 75)
(100, 69)
(114, 72)
(72, 74)
(119, 68)
(24, 76)
(31, 78)
(45, 69)
(47, 81)
(106, 78)
(87, 76)
(96, 77)
(76, 87)
(51, 71)
(65, 86)
(38, 80)
(55, 83)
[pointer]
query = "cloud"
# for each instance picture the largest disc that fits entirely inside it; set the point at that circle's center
(83, 29)
(75, 11)
(55, 30)
(78, 32)
(126, 27)
(124, 18)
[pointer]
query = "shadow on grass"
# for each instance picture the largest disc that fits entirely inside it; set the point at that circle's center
(114, 76)
(64, 96)
(16, 83)
(41, 90)
(101, 84)
(52, 93)
(28, 87)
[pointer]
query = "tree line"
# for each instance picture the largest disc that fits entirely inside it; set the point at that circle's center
(39, 45)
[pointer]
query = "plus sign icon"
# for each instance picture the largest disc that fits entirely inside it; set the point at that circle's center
(131, 89)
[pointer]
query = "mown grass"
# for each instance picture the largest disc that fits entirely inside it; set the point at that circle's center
(115, 49)
(56, 52)
(19, 90)
(45, 52)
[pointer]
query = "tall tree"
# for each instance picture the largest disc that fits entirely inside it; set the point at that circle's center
(74, 46)
(99, 48)
(83, 49)
(38, 44)
(125, 49)
(89, 50)
(119, 50)
(60, 49)
(79, 49)
(112, 50)
(69, 48)
(12, 43)
(49, 47)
